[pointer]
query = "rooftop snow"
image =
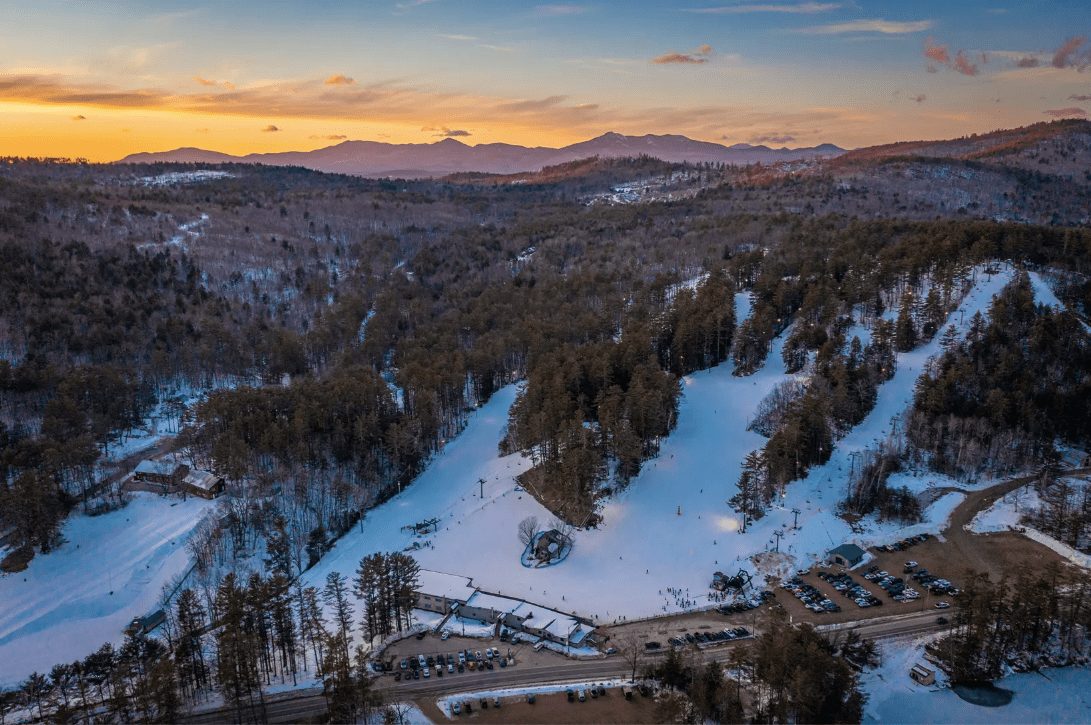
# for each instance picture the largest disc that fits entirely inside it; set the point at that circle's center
(440, 584)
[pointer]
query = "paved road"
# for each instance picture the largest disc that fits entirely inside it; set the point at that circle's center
(305, 704)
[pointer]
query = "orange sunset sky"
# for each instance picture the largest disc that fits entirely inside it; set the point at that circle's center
(104, 79)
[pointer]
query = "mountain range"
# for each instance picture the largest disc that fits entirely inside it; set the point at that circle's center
(374, 158)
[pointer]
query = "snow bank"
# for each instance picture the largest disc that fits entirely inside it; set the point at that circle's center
(110, 569)
(444, 703)
(1076, 557)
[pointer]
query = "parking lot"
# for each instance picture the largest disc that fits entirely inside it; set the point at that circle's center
(902, 578)
(663, 629)
(470, 665)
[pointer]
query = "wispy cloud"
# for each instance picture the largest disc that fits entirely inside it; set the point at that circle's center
(1082, 97)
(79, 117)
(328, 137)
(1027, 61)
(339, 80)
(936, 53)
(806, 8)
(456, 36)
(961, 62)
(210, 83)
(1066, 112)
(698, 55)
(270, 129)
(410, 4)
(445, 132)
(1072, 54)
(780, 138)
(878, 25)
(554, 10)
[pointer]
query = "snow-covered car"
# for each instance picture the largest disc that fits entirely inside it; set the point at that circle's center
(456, 708)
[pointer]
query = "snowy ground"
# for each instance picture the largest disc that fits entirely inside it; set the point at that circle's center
(184, 177)
(110, 569)
(663, 537)
(444, 703)
(1004, 515)
(1053, 696)
(1044, 295)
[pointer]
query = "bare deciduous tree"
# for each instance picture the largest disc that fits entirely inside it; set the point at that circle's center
(528, 527)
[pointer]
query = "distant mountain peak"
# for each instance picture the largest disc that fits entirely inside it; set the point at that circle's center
(450, 155)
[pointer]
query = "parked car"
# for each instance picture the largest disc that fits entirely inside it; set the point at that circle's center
(445, 635)
(942, 605)
(427, 673)
(570, 694)
(581, 695)
(456, 708)
(531, 699)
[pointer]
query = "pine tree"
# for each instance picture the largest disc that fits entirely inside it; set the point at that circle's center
(335, 595)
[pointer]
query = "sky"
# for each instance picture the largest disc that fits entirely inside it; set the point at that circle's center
(99, 80)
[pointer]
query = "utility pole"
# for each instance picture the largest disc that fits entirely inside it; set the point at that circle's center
(481, 482)
(778, 533)
(795, 524)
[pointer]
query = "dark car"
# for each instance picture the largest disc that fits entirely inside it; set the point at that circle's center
(571, 695)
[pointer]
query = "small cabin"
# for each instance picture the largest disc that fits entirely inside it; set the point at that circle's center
(922, 675)
(204, 484)
(846, 555)
(163, 471)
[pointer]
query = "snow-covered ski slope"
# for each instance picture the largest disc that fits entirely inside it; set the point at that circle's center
(664, 536)
(111, 568)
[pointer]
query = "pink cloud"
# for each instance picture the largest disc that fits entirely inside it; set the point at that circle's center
(964, 66)
(1069, 56)
(936, 53)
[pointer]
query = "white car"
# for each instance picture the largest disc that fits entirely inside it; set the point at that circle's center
(456, 709)
(426, 673)
(445, 636)
(942, 605)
